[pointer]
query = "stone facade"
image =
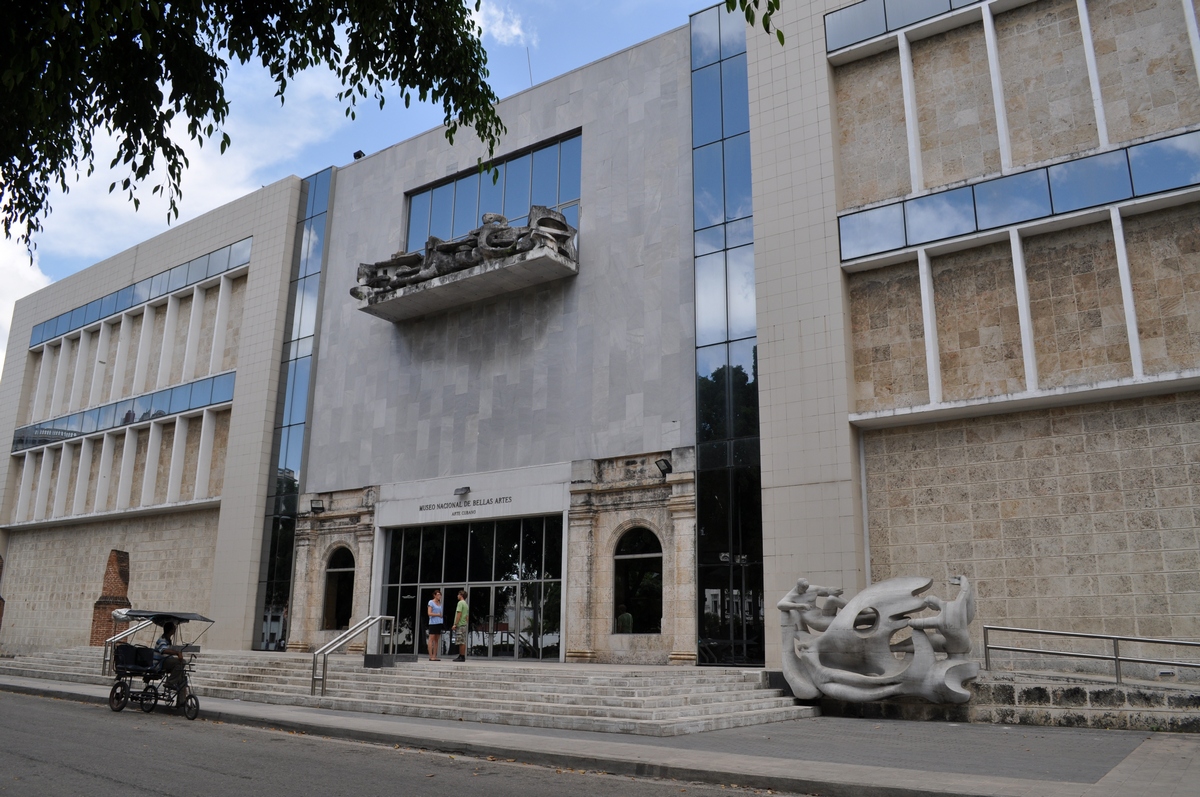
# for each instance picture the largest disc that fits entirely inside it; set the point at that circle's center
(1164, 266)
(872, 154)
(888, 338)
(608, 498)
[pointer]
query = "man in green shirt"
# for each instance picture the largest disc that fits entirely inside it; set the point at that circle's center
(461, 614)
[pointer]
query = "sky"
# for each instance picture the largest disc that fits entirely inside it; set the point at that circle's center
(527, 41)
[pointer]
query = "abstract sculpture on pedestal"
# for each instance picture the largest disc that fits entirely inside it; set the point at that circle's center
(851, 650)
(493, 241)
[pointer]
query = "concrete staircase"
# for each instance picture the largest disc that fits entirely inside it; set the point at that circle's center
(652, 701)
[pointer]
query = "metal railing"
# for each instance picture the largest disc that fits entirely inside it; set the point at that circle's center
(111, 643)
(1115, 657)
(387, 641)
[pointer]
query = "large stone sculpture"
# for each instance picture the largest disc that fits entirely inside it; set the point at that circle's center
(494, 240)
(851, 650)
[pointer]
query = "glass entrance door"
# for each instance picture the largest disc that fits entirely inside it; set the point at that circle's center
(494, 630)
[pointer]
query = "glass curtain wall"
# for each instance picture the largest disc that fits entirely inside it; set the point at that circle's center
(728, 499)
(511, 568)
(275, 580)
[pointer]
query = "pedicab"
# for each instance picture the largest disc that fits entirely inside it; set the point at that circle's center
(160, 680)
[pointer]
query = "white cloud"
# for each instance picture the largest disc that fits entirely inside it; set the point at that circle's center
(17, 279)
(504, 25)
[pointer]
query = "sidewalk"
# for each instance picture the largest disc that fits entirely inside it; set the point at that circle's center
(826, 756)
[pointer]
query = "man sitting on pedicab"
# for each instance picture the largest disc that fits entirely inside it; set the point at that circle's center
(169, 657)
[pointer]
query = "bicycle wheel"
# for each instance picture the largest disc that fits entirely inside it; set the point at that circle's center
(191, 708)
(118, 698)
(149, 698)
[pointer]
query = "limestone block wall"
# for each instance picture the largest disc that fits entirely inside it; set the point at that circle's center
(1164, 263)
(888, 338)
(872, 150)
(54, 577)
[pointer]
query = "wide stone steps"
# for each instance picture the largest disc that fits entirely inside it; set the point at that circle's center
(637, 700)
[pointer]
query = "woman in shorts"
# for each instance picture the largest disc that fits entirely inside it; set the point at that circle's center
(434, 610)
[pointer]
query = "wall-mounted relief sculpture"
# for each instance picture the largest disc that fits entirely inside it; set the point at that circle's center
(490, 260)
(873, 647)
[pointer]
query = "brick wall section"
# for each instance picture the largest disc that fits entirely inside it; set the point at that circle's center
(956, 117)
(1147, 74)
(889, 338)
(1164, 265)
(1079, 519)
(114, 594)
(872, 144)
(1047, 96)
(1076, 305)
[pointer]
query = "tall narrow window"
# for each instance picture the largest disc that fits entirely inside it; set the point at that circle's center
(637, 583)
(339, 590)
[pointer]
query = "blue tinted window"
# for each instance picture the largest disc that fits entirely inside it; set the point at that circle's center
(201, 393)
(1012, 199)
(708, 186)
(125, 298)
(571, 213)
(466, 204)
(905, 12)
(740, 232)
(76, 318)
(706, 105)
(218, 262)
(711, 393)
(735, 96)
(181, 398)
(739, 201)
(314, 245)
(62, 324)
(141, 292)
(222, 389)
(545, 177)
(943, 215)
(418, 220)
(706, 38)
(108, 305)
(90, 419)
(710, 240)
(295, 448)
(516, 187)
(441, 212)
(304, 318)
(296, 403)
(739, 265)
(75, 423)
(319, 196)
(197, 270)
(1090, 181)
(491, 192)
(871, 231)
(733, 33)
(1163, 165)
(854, 24)
(91, 313)
(570, 167)
(161, 404)
(142, 407)
(710, 299)
(35, 334)
(177, 278)
(239, 253)
(123, 413)
(158, 284)
(105, 420)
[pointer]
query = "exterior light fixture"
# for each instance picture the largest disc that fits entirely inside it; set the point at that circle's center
(462, 490)
(358, 154)
(316, 505)
(664, 465)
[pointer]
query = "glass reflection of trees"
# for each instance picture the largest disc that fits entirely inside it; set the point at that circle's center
(727, 400)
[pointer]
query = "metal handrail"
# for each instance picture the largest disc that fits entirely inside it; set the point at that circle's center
(111, 643)
(387, 641)
(1115, 657)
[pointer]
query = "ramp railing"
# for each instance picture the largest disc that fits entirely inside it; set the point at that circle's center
(1116, 657)
(321, 657)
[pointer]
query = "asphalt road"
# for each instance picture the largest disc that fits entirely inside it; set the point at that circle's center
(60, 747)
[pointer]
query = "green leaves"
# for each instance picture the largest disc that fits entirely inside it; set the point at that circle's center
(132, 67)
(751, 8)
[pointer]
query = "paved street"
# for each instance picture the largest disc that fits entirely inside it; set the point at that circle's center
(60, 747)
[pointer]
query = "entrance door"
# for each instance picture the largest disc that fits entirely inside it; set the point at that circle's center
(494, 631)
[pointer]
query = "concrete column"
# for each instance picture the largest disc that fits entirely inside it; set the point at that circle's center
(1024, 313)
(916, 169)
(1193, 29)
(168, 346)
(1089, 55)
(217, 357)
(178, 453)
(580, 542)
(102, 338)
(43, 489)
(66, 463)
(204, 462)
(84, 477)
(682, 509)
(118, 369)
(193, 336)
(125, 485)
(150, 479)
(1131, 324)
(933, 359)
(104, 477)
(143, 357)
(58, 397)
(83, 351)
(25, 491)
(44, 384)
(1001, 110)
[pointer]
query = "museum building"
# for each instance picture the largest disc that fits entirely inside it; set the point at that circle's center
(916, 293)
